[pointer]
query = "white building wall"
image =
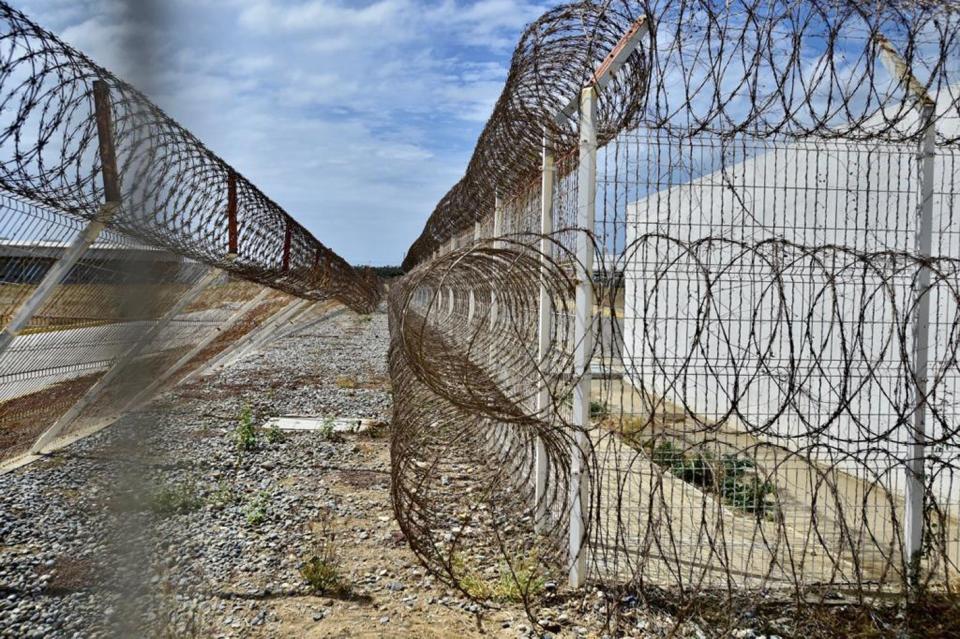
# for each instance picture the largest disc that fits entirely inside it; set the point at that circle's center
(728, 351)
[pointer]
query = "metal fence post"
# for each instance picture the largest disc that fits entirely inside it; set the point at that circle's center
(544, 327)
(583, 337)
(914, 471)
(915, 485)
(233, 232)
(472, 300)
(90, 232)
(121, 364)
(287, 237)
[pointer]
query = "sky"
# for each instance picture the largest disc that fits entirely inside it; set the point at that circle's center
(356, 116)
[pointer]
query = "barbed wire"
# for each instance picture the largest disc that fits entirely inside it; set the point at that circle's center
(466, 372)
(174, 189)
(794, 69)
(755, 375)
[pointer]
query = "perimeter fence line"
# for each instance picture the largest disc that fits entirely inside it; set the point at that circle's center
(708, 342)
(131, 256)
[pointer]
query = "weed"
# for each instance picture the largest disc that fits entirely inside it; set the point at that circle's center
(598, 410)
(469, 580)
(275, 435)
(321, 570)
(223, 496)
(525, 580)
(257, 510)
(175, 499)
(326, 431)
(245, 435)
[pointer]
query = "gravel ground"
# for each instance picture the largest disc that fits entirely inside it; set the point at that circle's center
(159, 526)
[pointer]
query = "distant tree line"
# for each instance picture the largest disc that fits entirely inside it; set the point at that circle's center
(388, 271)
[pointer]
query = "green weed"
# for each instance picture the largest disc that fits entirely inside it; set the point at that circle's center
(245, 434)
(175, 499)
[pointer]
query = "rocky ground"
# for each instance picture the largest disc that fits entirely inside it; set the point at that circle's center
(161, 525)
(164, 525)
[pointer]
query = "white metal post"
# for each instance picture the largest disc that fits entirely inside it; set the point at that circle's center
(583, 332)
(472, 300)
(93, 228)
(914, 470)
(544, 327)
(121, 364)
(147, 392)
(915, 485)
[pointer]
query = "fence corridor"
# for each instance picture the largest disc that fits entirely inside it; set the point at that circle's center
(700, 325)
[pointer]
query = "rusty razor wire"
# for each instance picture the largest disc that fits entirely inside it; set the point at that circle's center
(131, 256)
(689, 321)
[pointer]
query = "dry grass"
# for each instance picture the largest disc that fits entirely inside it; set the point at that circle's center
(346, 382)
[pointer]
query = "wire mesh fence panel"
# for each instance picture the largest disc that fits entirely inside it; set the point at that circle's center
(768, 300)
(103, 310)
(115, 224)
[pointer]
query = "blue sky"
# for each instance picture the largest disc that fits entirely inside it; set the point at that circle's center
(355, 116)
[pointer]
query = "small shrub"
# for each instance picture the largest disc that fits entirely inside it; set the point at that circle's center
(245, 435)
(321, 570)
(322, 575)
(275, 435)
(175, 499)
(326, 431)
(668, 456)
(749, 494)
(257, 510)
(598, 410)
(734, 478)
